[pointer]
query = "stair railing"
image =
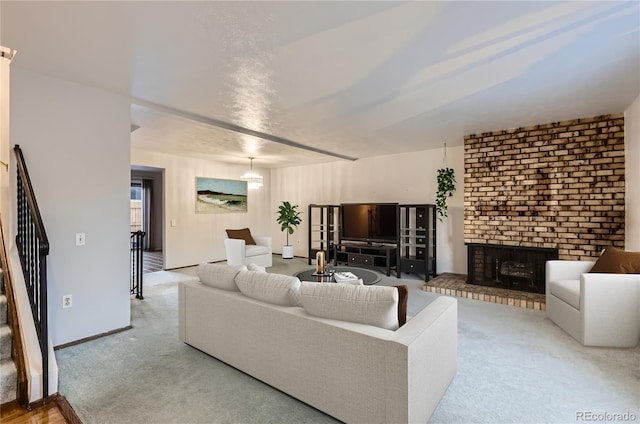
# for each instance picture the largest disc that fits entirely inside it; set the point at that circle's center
(22, 395)
(33, 248)
(137, 260)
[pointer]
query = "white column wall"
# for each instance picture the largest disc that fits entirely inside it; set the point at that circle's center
(76, 145)
(632, 176)
(198, 237)
(403, 178)
(5, 151)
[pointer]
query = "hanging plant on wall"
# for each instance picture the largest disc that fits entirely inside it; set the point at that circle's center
(446, 187)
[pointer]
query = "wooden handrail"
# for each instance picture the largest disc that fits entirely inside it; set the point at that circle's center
(33, 248)
(22, 395)
(31, 200)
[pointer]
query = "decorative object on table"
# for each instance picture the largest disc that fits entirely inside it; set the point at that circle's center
(367, 277)
(344, 277)
(289, 219)
(446, 187)
(253, 179)
(320, 262)
(214, 195)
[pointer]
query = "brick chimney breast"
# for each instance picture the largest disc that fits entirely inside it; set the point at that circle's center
(557, 185)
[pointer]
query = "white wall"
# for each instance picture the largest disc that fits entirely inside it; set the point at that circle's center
(632, 176)
(5, 151)
(76, 145)
(199, 237)
(402, 178)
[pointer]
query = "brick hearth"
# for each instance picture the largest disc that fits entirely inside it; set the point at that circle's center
(455, 285)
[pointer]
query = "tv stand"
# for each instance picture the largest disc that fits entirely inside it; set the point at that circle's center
(366, 255)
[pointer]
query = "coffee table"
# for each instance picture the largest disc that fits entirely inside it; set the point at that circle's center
(368, 277)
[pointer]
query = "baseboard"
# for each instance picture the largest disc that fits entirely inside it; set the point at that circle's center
(90, 338)
(67, 410)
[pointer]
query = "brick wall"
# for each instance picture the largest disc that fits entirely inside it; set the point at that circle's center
(558, 185)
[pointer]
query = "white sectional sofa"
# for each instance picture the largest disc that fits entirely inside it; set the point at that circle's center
(355, 372)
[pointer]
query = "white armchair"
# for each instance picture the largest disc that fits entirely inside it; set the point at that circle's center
(596, 309)
(239, 253)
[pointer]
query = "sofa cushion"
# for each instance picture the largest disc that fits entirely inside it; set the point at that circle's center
(243, 234)
(256, 267)
(255, 250)
(403, 296)
(567, 291)
(271, 288)
(373, 305)
(219, 276)
(617, 261)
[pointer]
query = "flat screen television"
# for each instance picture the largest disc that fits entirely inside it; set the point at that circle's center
(370, 222)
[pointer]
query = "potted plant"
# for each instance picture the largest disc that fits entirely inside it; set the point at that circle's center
(289, 219)
(446, 187)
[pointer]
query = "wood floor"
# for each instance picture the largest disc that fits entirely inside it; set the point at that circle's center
(56, 411)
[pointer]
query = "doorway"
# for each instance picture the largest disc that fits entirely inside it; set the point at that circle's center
(147, 213)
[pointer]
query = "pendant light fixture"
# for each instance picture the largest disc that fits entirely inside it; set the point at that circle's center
(253, 179)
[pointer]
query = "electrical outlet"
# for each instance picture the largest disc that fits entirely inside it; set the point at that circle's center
(67, 301)
(80, 239)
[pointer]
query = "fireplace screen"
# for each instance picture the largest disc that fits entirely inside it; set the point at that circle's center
(508, 267)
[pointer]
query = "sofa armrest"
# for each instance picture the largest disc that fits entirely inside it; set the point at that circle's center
(606, 300)
(607, 291)
(430, 340)
(565, 270)
(236, 251)
(264, 241)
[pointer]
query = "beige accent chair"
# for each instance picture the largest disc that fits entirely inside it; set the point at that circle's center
(240, 253)
(596, 309)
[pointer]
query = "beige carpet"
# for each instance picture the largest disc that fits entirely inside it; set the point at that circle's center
(514, 366)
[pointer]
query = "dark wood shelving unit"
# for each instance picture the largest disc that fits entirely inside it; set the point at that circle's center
(366, 255)
(417, 240)
(413, 252)
(323, 230)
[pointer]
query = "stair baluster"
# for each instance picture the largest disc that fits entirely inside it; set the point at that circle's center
(33, 248)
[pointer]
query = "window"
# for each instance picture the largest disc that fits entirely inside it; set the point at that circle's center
(136, 206)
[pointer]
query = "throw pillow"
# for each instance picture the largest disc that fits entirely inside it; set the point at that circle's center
(403, 296)
(617, 261)
(219, 276)
(271, 288)
(242, 234)
(373, 305)
(256, 267)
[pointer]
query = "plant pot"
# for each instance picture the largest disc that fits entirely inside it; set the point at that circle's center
(287, 252)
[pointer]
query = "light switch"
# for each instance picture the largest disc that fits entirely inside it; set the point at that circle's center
(80, 239)
(173, 222)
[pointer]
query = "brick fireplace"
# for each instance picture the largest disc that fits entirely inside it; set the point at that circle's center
(552, 186)
(508, 267)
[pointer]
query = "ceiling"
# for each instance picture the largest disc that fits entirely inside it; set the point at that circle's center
(228, 80)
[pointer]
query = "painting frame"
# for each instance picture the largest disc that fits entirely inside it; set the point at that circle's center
(218, 195)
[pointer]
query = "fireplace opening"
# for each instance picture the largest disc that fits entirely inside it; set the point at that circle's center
(508, 267)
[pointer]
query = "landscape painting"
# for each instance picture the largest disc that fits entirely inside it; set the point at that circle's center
(214, 195)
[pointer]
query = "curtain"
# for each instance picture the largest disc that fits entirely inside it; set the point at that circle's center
(148, 218)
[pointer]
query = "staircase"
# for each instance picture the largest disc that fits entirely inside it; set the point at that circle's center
(8, 372)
